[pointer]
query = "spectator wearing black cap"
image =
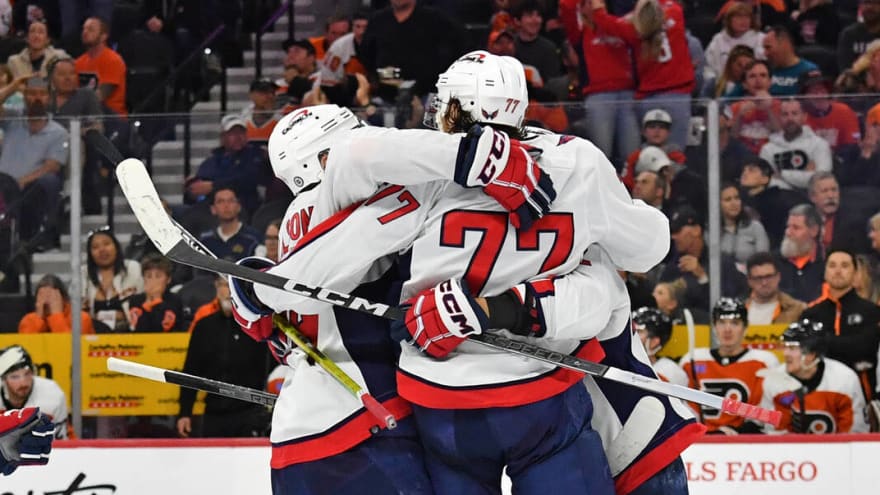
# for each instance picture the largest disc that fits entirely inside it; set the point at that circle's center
(656, 125)
(833, 121)
(261, 115)
(300, 68)
(689, 261)
(852, 321)
(763, 195)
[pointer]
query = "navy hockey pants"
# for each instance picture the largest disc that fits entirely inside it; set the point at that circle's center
(671, 480)
(381, 465)
(547, 447)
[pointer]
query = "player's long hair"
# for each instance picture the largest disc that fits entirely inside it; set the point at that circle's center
(457, 120)
(648, 21)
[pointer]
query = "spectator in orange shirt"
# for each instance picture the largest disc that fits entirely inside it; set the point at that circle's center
(105, 65)
(833, 121)
(334, 29)
(261, 115)
(52, 312)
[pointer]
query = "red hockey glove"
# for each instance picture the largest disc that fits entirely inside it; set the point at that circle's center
(25, 438)
(254, 318)
(439, 319)
(506, 170)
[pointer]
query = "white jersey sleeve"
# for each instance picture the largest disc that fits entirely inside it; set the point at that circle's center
(585, 301)
(383, 225)
(370, 156)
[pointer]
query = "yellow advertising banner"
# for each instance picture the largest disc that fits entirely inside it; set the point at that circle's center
(106, 393)
(757, 337)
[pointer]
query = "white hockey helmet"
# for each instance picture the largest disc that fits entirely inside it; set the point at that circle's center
(13, 358)
(491, 88)
(301, 137)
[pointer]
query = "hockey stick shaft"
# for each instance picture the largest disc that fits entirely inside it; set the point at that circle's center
(191, 381)
(170, 241)
(692, 346)
(370, 403)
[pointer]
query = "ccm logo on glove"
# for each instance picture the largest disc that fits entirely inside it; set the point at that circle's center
(456, 319)
(496, 158)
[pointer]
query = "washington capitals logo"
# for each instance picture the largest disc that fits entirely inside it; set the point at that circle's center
(476, 58)
(296, 119)
(487, 115)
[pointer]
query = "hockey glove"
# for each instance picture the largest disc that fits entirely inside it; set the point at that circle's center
(506, 170)
(518, 310)
(439, 319)
(254, 317)
(25, 438)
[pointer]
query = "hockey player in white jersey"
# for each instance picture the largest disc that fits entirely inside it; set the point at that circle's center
(322, 437)
(459, 234)
(655, 328)
(25, 438)
(814, 393)
(21, 388)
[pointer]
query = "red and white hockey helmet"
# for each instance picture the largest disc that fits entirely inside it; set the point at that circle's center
(491, 88)
(301, 137)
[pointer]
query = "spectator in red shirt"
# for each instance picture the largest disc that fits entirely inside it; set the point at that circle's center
(609, 88)
(656, 34)
(104, 65)
(756, 117)
(656, 126)
(833, 121)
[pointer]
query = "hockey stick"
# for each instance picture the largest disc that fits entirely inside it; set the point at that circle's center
(191, 381)
(369, 402)
(692, 346)
(169, 239)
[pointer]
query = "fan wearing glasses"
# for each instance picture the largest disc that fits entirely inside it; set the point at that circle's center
(766, 303)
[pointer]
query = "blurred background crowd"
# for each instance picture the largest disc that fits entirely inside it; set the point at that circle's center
(195, 89)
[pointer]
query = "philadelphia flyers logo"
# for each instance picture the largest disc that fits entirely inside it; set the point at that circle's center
(815, 422)
(729, 388)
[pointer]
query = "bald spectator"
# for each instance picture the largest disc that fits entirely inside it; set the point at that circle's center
(105, 67)
(855, 38)
(787, 66)
(39, 53)
(419, 40)
(796, 151)
(802, 263)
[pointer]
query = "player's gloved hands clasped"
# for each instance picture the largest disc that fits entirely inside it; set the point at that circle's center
(254, 317)
(506, 170)
(25, 438)
(439, 319)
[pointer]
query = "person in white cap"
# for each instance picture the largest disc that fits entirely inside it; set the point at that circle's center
(683, 185)
(655, 131)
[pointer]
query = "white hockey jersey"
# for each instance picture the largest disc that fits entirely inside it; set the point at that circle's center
(332, 69)
(792, 157)
(455, 232)
(316, 417)
(48, 396)
(834, 404)
(670, 371)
